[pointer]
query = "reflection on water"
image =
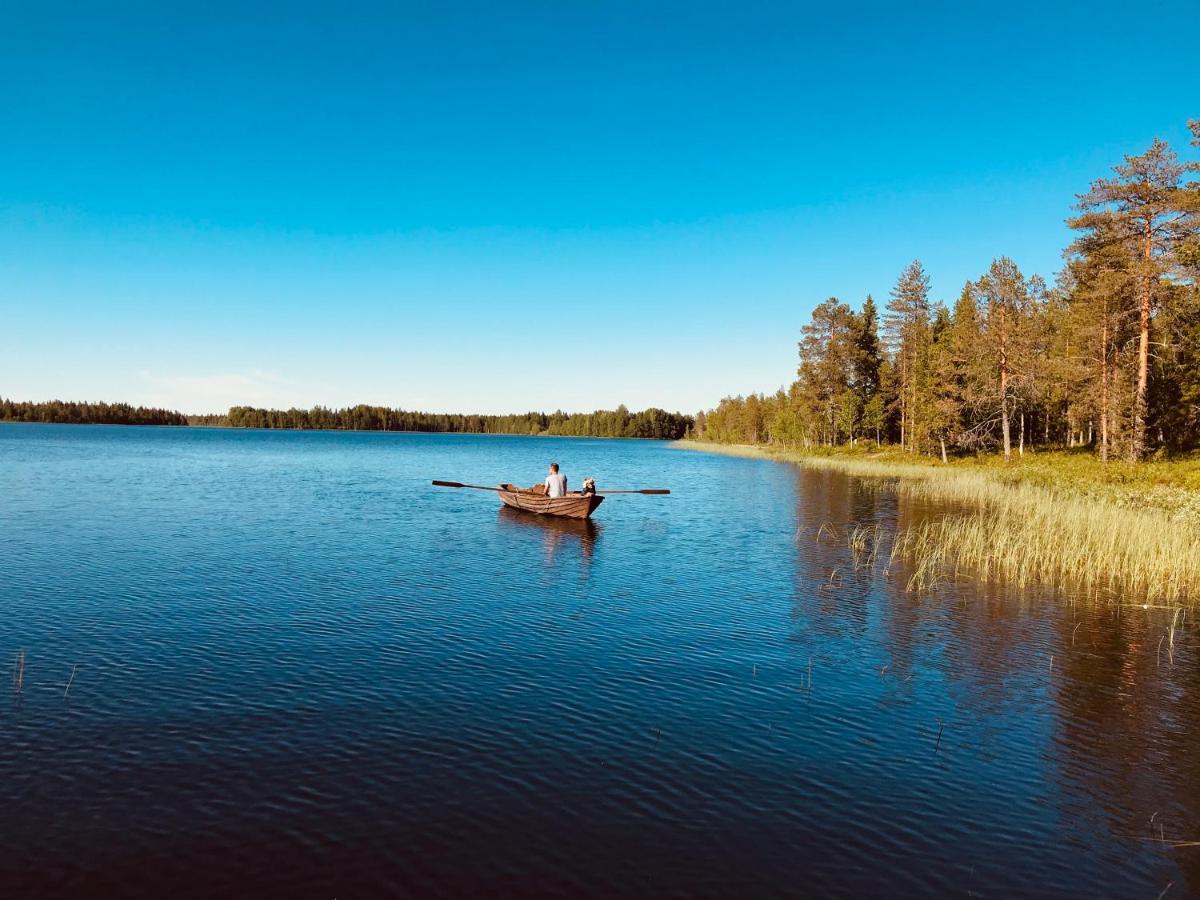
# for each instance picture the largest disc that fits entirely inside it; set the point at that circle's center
(559, 534)
(290, 646)
(1099, 702)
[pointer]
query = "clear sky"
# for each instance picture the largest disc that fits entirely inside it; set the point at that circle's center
(500, 206)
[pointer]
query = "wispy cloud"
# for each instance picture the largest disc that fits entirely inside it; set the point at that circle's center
(217, 392)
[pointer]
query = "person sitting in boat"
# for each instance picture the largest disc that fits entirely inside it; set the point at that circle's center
(589, 486)
(556, 482)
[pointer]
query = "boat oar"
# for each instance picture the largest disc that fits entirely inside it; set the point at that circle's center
(642, 491)
(459, 484)
(484, 487)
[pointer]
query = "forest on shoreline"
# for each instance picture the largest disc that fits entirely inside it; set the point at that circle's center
(60, 412)
(619, 423)
(1107, 358)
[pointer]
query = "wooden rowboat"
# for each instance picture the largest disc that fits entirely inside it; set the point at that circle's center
(570, 506)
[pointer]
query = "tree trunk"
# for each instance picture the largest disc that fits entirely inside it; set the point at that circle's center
(1005, 430)
(943, 442)
(1137, 448)
(1021, 445)
(1004, 424)
(912, 429)
(1103, 391)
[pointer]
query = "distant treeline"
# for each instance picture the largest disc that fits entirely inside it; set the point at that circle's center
(1107, 357)
(618, 423)
(88, 413)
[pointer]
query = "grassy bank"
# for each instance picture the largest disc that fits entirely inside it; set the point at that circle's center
(1122, 532)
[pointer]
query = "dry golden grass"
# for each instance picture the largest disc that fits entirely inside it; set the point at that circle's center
(1100, 540)
(1026, 535)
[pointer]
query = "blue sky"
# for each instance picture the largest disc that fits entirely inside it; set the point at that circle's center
(501, 207)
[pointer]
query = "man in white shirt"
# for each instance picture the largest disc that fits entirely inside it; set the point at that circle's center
(556, 483)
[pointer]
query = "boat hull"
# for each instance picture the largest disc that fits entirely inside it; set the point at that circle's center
(572, 506)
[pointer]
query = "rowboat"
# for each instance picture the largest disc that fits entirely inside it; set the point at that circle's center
(569, 506)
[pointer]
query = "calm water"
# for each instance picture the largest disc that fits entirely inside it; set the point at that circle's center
(304, 670)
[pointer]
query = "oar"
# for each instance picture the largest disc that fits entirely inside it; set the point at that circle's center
(642, 491)
(459, 484)
(483, 487)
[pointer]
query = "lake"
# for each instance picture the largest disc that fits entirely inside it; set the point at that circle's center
(296, 667)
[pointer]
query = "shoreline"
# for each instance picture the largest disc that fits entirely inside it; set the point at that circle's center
(1171, 485)
(1059, 519)
(541, 434)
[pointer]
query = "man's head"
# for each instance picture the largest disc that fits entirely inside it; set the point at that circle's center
(553, 467)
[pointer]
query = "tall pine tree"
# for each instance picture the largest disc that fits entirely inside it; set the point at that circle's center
(906, 329)
(1145, 208)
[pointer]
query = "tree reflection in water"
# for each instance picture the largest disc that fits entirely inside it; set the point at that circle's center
(1054, 701)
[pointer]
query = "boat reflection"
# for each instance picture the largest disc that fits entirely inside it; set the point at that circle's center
(557, 533)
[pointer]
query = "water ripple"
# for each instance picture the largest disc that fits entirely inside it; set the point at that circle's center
(301, 670)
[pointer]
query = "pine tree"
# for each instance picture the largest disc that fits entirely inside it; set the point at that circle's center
(1004, 299)
(1103, 307)
(906, 329)
(945, 402)
(826, 363)
(867, 360)
(959, 372)
(1145, 208)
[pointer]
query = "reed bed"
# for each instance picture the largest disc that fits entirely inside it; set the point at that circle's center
(1095, 540)
(1026, 534)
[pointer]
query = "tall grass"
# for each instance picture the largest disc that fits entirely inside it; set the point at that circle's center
(1026, 535)
(1100, 539)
